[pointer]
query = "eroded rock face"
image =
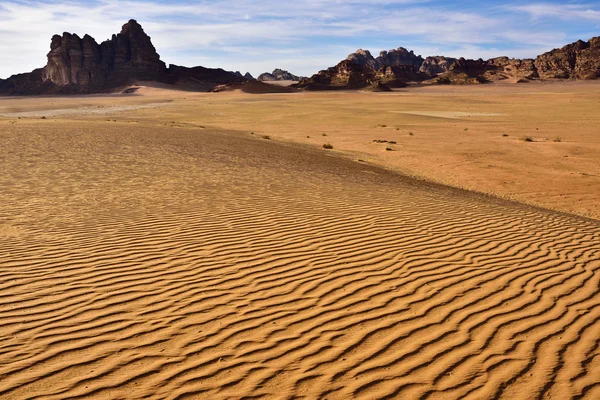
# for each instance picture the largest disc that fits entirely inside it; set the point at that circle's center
(81, 65)
(362, 57)
(398, 57)
(511, 68)
(579, 60)
(361, 70)
(83, 62)
(436, 65)
(278, 75)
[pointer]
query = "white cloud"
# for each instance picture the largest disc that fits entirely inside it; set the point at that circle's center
(562, 11)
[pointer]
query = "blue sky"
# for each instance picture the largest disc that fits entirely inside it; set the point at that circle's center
(302, 36)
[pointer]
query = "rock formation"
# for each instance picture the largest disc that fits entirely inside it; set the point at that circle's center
(83, 62)
(278, 75)
(579, 60)
(247, 75)
(436, 65)
(81, 65)
(361, 70)
(394, 68)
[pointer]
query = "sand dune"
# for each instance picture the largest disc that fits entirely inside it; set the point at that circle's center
(147, 262)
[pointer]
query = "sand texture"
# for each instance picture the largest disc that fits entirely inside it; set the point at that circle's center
(140, 259)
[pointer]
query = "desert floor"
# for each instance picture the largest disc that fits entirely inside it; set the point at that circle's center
(157, 245)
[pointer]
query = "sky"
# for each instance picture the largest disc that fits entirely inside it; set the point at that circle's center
(302, 36)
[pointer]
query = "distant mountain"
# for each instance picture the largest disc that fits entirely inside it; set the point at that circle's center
(247, 75)
(81, 65)
(395, 68)
(278, 75)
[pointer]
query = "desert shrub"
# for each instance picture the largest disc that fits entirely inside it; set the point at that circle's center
(389, 149)
(328, 146)
(526, 139)
(505, 135)
(557, 139)
(267, 137)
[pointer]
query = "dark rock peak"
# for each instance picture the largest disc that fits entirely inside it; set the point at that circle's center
(81, 65)
(278, 74)
(82, 62)
(578, 60)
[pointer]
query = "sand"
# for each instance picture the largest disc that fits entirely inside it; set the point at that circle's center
(153, 253)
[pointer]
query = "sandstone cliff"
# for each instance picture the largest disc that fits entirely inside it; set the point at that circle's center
(436, 65)
(579, 60)
(278, 75)
(81, 65)
(394, 68)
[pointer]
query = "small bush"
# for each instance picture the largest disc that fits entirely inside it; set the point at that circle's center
(526, 139)
(267, 137)
(43, 118)
(411, 134)
(252, 133)
(557, 139)
(308, 137)
(381, 126)
(466, 129)
(324, 134)
(389, 149)
(328, 146)
(505, 135)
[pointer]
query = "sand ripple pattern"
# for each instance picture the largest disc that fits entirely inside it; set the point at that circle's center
(151, 264)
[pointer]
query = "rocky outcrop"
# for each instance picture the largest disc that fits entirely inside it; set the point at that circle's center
(392, 58)
(511, 68)
(199, 78)
(361, 70)
(399, 57)
(278, 75)
(247, 75)
(83, 62)
(436, 65)
(464, 71)
(394, 68)
(81, 65)
(579, 60)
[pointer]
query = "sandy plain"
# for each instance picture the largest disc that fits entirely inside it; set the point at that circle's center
(156, 245)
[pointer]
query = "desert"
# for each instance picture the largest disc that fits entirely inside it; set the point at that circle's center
(192, 233)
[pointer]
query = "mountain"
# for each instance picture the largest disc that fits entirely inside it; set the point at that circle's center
(395, 68)
(579, 60)
(247, 75)
(81, 65)
(360, 69)
(278, 75)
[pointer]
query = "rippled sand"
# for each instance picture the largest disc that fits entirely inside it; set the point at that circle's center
(139, 261)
